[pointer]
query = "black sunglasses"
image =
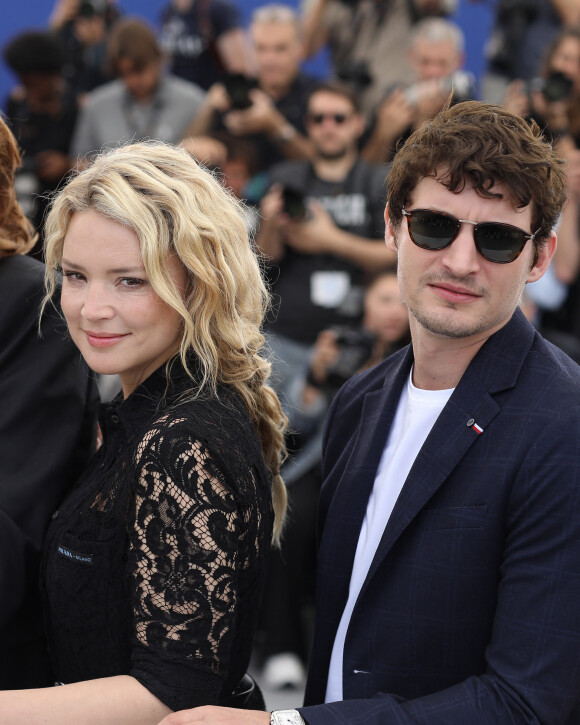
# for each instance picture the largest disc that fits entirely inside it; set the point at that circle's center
(496, 242)
(318, 118)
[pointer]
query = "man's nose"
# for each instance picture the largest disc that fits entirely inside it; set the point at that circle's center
(461, 256)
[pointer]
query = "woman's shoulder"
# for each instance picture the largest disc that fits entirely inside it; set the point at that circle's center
(213, 428)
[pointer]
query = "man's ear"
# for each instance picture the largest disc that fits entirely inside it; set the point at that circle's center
(390, 240)
(544, 258)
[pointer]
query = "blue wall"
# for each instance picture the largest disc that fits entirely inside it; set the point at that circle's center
(473, 16)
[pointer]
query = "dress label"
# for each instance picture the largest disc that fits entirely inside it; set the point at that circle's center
(74, 556)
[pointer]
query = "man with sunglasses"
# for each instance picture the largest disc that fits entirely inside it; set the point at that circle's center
(322, 230)
(449, 518)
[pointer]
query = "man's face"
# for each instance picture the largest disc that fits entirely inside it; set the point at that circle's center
(432, 61)
(455, 293)
(278, 53)
(141, 83)
(43, 91)
(333, 125)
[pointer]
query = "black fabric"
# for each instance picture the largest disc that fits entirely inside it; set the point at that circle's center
(35, 133)
(189, 38)
(156, 562)
(47, 432)
(356, 205)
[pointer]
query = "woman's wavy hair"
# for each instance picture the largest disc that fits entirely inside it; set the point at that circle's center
(484, 144)
(17, 234)
(176, 207)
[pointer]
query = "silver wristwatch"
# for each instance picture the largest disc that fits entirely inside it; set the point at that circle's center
(286, 717)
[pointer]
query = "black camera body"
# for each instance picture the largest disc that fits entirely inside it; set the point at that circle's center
(556, 87)
(356, 347)
(238, 87)
(293, 203)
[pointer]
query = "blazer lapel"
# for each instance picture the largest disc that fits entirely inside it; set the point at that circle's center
(347, 510)
(495, 368)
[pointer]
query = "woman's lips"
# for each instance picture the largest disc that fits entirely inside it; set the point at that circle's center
(103, 339)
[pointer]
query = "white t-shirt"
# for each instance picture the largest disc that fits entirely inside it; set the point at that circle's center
(416, 413)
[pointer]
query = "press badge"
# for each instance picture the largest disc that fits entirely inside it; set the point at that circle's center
(329, 289)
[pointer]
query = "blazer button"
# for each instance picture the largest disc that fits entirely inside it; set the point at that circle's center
(115, 418)
(55, 515)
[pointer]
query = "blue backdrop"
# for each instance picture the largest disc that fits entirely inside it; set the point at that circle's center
(474, 17)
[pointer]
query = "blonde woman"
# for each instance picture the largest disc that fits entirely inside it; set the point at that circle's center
(155, 564)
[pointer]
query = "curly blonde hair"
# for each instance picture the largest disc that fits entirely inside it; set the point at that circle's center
(16, 232)
(176, 207)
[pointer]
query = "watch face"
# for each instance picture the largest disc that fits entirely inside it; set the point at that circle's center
(286, 717)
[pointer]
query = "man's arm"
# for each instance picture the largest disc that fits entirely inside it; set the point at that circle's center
(314, 34)
(320, 235)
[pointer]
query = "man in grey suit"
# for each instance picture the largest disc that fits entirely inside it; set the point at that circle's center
(449, 520)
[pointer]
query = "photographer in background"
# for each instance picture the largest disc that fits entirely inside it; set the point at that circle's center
(338, 353)
(41, 112)
(553, 98)
(367, 40)
(84, 26)
(268, 110)
(435, 55)
(522, 31)
(321, 245)
(143, 101)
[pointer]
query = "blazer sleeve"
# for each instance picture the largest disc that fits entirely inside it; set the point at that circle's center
(47, 423)
(531, 674)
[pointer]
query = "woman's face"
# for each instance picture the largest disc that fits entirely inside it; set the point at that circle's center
(120, 325)
(566, 59)
(385, 313)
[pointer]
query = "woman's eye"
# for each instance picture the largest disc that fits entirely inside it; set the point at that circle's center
(132, 282)
(72, 276)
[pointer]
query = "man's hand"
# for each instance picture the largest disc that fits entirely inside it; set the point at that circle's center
(213, 715)
(260, 117)
(52, 165)
(314, 236)
(217, 98)
(395, 114)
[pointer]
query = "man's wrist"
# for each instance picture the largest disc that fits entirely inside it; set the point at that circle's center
(286, 717)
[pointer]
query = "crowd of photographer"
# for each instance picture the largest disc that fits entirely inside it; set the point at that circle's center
(309, 157)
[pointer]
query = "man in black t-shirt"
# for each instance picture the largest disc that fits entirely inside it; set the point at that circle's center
(318, 260)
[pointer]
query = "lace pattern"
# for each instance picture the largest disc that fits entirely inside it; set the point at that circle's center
(176, 513)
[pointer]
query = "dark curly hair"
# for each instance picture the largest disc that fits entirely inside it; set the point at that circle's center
(484, 144)
(35, 51)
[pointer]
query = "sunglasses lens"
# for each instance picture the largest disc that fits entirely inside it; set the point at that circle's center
(339, 118)
(500, 243)
(432, 230)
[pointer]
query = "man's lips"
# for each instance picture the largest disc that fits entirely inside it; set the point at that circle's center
(103, 339)
(454, 293)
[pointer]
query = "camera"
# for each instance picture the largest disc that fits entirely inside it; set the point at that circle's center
(356, 346)
(556, 87)
(238, 87)
(293, 203)
(356, 75)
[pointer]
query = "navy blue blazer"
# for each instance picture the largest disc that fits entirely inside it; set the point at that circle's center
(470, 613)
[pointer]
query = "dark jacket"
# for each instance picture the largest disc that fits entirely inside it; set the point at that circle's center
(469, 612)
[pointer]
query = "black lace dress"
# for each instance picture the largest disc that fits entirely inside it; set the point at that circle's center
(154, 565)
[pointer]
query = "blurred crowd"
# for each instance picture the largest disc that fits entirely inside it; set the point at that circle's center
(309, 156)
